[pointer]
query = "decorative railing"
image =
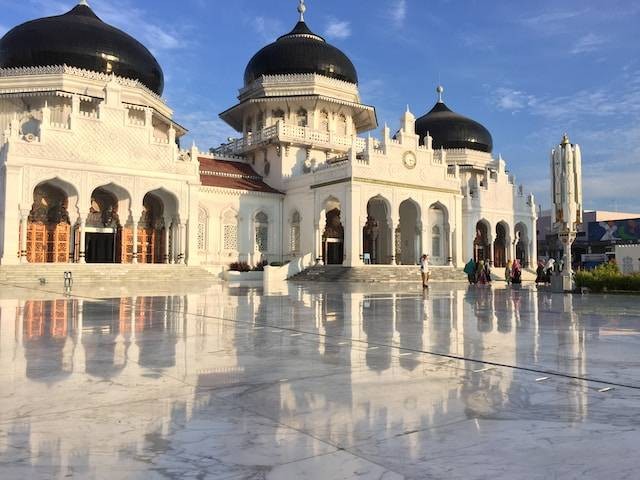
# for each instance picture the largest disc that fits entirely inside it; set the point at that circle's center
(284, 131)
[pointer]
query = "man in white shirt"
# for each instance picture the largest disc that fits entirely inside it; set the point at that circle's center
(424, 270)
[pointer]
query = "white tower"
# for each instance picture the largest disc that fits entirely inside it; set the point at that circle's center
(566, 177)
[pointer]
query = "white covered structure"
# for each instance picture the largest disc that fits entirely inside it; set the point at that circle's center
(92, 170)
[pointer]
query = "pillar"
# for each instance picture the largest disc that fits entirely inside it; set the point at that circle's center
(81, 224)
(394, 222)
(134, 258)
(22, 245)
(182, 234)
(449, 249)
(167, 240)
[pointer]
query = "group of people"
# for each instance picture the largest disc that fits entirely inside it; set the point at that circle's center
(480, 272)
(544, 271)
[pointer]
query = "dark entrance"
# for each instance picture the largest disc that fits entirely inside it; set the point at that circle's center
(335, 251)
(333, 239)
(100, 247)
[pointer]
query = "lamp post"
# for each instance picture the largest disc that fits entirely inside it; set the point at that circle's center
(566, 175)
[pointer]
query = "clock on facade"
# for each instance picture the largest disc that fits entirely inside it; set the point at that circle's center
(409, 160)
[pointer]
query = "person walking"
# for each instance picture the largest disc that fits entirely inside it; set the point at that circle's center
(481, 276)
(507, 272)
(516, 273)
(424, 270)
(470, 270)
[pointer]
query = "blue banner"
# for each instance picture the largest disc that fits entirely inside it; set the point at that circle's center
(615, 231)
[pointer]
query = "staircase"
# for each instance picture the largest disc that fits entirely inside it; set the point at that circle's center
(110, 274)
(377, 273)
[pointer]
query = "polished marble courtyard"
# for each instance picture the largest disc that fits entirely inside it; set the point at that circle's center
(319, 381)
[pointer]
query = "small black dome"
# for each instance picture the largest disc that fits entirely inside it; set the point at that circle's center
(300, 51)
(451, 130)
(80, 39)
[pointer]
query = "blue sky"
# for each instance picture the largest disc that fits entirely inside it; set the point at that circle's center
(527, 70)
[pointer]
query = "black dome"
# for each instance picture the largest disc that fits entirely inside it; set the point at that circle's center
(300, 51)
(451, 130)
(80, 39)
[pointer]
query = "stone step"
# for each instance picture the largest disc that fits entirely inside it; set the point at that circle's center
(377, 274)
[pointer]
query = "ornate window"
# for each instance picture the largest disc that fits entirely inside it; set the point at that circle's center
(324, 121)
(230, 231)
(302, 118)
(203, 221)
(294, 234)
(342, 125)
(435, 241)
(262, 232)
(260, 122)
(278, 116)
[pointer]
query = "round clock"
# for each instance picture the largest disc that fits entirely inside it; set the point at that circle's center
(409, 160)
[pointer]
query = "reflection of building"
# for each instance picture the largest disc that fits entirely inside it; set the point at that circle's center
(93, 171)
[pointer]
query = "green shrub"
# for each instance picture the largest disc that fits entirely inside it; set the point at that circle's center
(239, 267)
(607, 277)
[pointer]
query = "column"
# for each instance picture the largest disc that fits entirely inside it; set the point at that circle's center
(393, 223)
(135, 241)
(182, 234)
(424, 247)
(167, 239)
(449, 239)
(81, 225)
(22, 246)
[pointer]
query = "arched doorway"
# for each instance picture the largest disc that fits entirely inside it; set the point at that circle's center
(48, 227)
(151, 230)
(482, 242)
(103, 232)
(408, 252)
(376, 233)
(522, 244)
(438, 230)
(333, 235)
(500, 246)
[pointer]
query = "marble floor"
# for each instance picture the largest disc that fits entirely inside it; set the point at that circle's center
(320, 382)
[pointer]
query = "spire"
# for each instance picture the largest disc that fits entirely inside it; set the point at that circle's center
(301, 9)
(565, 139)
(440, 91)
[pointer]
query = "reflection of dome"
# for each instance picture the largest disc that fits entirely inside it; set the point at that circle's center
(80, 39)
(452, 130)
(300, 51)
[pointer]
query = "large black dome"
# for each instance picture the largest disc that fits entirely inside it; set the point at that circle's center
(80, 39)
(300, 51)
(452, 130)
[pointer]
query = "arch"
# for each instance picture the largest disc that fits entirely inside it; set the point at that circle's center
(61, 183)
(48, 228)
(302, 118)
(260, 122)
(323, 125)
(229, 221)
(501, 245)
(261, 231)
(438, 230)
(277, 115)
(521, 242)
(294, 233)
(408, 233)
(341, 128)
(482, 241)
(377, 233)
(332, 240)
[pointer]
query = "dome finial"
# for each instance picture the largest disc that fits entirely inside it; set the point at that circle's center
(83, 2)
(439, 91)
(565, 138)
(301, 9)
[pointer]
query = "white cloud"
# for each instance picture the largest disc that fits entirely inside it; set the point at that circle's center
(267, 28)
(398, 12)
(588, 43)
(339, 29)
(513, 100)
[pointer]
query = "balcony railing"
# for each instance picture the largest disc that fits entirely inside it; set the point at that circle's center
(287, 132)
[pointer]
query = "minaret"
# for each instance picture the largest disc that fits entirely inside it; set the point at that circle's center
(566, 175)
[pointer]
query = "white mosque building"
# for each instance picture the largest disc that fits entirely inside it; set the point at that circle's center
(92, 171)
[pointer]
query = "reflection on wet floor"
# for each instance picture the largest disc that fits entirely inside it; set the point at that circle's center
(138, 386)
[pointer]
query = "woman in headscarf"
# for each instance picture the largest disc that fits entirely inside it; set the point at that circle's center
(482, 273)
(540, 275)
(507, 272)
(470, 270)
(516, 273)
(548, 270)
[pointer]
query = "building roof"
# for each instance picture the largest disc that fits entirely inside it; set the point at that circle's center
(300, 51)
(230, 174)
(80, 39)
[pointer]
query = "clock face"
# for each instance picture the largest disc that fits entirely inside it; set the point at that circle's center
(409, 160)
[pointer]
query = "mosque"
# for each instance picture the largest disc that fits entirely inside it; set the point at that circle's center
(93, 172)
